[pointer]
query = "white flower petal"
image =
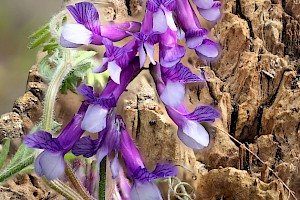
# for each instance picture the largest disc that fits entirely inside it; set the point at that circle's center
(170, 20)
(193, 135)
(173, 94)
(77, 33)
(94, 120)
(114, 71)
(145, 191)
(159, 21)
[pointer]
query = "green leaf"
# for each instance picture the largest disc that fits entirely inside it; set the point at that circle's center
(28, 169)
(39, 32)
(74, 78)
(82, 56)
(39, 40)
(8, 172)
(50, 47)
(4, 152)
(18, 155)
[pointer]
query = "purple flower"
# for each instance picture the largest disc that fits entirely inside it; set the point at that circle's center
(107, 142)
(170, 52)
(145, 39)
(170, 83)
(209, 9)
(195, 35)
(190, 132)
(146, 46)
(88, 30)
(50, 162)
(95, 118)
(170, 86)
(143, 186)
(116, 58)
(162, 14)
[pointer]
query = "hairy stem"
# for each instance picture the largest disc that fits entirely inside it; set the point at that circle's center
(102, 182)
(62, 189)
(60, 73)
(76, 183)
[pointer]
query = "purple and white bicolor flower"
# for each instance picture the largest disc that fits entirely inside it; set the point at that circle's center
(115, 58)
(170, 87)
(195, 35)
(99, 105)
(209, 9)
(94, 119)
(170, 53)
(171, 84)
(190, 131)
(50, 162)
(143, 186)
(88, 30)
(162, 14)
(146, 46)
(107, 142)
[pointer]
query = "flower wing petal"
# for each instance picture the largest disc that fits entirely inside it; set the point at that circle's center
(95, 119)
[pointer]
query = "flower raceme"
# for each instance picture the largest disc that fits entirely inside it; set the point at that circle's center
(50, 162)
(164, 23)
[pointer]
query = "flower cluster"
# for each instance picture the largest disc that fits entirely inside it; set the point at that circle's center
(165, 22)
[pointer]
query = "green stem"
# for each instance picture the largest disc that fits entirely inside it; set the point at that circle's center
(11, 171)
(76, 183)
(60, 73)
(62, 189)
(102, 182)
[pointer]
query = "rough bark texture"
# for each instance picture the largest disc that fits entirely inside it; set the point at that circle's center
(255, 85)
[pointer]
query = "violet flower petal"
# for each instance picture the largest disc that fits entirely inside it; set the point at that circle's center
(86, 14)
(50, 164)
(117, 32)
(103, 66)
(195, 37)
(203, 114)
(43, 140)
(152, 5)
(180, 73)
(208, 48)
(165, 170)
(145, 191)
(86, 91)
(95, 118)
(86, 147)
(211, 14)
(169, 57)
(204, 4)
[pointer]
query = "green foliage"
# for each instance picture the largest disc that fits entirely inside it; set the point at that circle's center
(23, 158)
(4, 152)
(39, 37)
